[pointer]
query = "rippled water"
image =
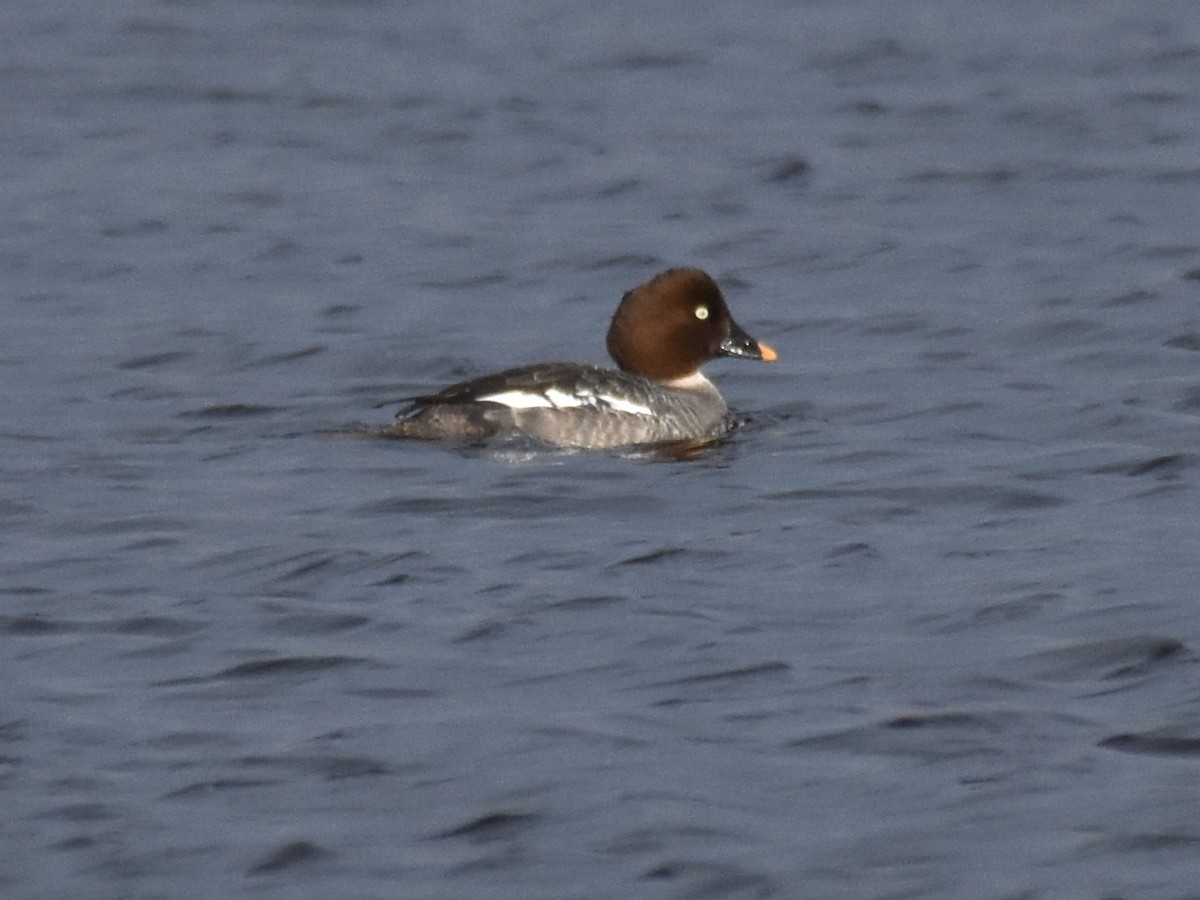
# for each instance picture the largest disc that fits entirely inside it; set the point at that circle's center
(925, 627)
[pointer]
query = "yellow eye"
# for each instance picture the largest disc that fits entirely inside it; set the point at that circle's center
(701, 313)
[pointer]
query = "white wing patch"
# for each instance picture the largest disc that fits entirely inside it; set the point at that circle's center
(622, 405)
(518, 399)
(562, 400)
(556, 398)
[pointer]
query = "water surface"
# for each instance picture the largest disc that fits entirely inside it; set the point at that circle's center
(925, 627)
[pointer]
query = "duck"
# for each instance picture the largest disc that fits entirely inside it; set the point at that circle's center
(661, 334)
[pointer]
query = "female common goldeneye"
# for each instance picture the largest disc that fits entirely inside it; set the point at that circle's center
(660, 335)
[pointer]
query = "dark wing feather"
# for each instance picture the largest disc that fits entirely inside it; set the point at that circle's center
(534, 379)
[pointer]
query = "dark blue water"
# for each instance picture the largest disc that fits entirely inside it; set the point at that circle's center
(926, 627)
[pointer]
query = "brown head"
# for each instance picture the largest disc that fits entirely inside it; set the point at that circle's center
(674, 323)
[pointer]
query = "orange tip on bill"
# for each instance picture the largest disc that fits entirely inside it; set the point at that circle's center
(768, 353)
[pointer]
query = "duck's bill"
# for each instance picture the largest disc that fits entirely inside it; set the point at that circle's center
(766, 352)
(741, 345)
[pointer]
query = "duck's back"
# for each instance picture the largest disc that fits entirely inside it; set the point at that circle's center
(567, 405)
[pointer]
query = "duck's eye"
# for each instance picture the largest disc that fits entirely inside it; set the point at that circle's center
(701, 313)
